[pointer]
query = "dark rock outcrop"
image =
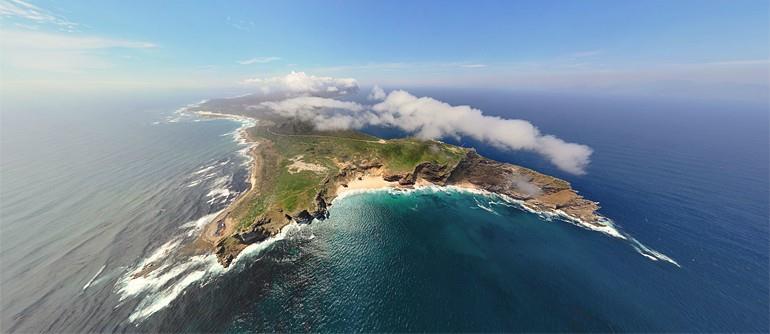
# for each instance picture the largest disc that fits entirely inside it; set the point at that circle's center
(538, 191)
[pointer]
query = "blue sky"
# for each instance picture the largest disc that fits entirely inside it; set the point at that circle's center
(623, 46)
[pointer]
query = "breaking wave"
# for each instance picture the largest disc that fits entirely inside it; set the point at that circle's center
(164, 275)
(606, 226)
(91, 281)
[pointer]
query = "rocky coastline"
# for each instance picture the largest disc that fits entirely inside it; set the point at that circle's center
(535, 191)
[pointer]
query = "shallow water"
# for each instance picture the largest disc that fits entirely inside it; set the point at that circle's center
(90, 195)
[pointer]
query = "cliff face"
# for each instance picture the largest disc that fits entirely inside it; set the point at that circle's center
(536, 191)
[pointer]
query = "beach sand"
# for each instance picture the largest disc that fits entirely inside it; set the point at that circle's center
(366, 182)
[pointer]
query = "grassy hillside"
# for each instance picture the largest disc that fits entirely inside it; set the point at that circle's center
(294, 161)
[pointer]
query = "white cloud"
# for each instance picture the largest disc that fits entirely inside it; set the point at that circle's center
(324, 113)
(301, 83)
(31, 50)
(19, 9)
(473, 65)
(377, 94)
(42, 40)
(429, 118)
(258, 60)
(293, 105)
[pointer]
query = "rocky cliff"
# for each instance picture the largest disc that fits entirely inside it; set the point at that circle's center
(536, 191)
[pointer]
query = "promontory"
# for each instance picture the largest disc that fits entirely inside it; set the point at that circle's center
(297, 171)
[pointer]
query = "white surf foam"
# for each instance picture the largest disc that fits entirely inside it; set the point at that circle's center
(218, 194)
(159, 289)
(220, 190)
(651, 253)
(161, 252)
(194, 183)
(173, 273)
(204, 169)
(132, 285)
(93, 278)
(605, 225)
(196, 225)
(486, 208)
(257, 248)
(200, 222)
(239, 135)
(164, 299)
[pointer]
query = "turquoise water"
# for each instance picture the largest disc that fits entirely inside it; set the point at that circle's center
(90, 191)
(436, 261)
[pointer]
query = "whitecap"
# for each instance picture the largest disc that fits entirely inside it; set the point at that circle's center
(199, 223)
(218, 194)
(604, 225)
(194, 183)
(159, 253)
(258, 247)
(162, 300)
(204, 169)
(651, 253)
(486, 208)
(160, 292)
(93, 278)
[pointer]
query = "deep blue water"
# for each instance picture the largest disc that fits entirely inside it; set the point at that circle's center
(687, 179)
(439, 262)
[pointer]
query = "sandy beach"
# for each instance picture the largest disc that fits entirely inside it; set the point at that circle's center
(365, 182)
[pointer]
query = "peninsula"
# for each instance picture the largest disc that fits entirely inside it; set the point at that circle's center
(297, 171)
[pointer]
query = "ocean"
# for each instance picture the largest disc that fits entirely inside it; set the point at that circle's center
(92, 189)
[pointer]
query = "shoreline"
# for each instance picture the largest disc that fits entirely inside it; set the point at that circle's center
(221, 227)
(375, 183)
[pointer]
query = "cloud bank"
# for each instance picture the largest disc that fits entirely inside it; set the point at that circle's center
(377, 94)
(423, 117)
(258, 60)
(429, 118)
(301, 83)
(324, 113)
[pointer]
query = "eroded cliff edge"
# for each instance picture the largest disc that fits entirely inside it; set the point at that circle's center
(288, 153)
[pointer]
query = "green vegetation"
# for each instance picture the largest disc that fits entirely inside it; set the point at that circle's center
(255, 208)
(404, 154)
(292, 189)
(281, 191)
